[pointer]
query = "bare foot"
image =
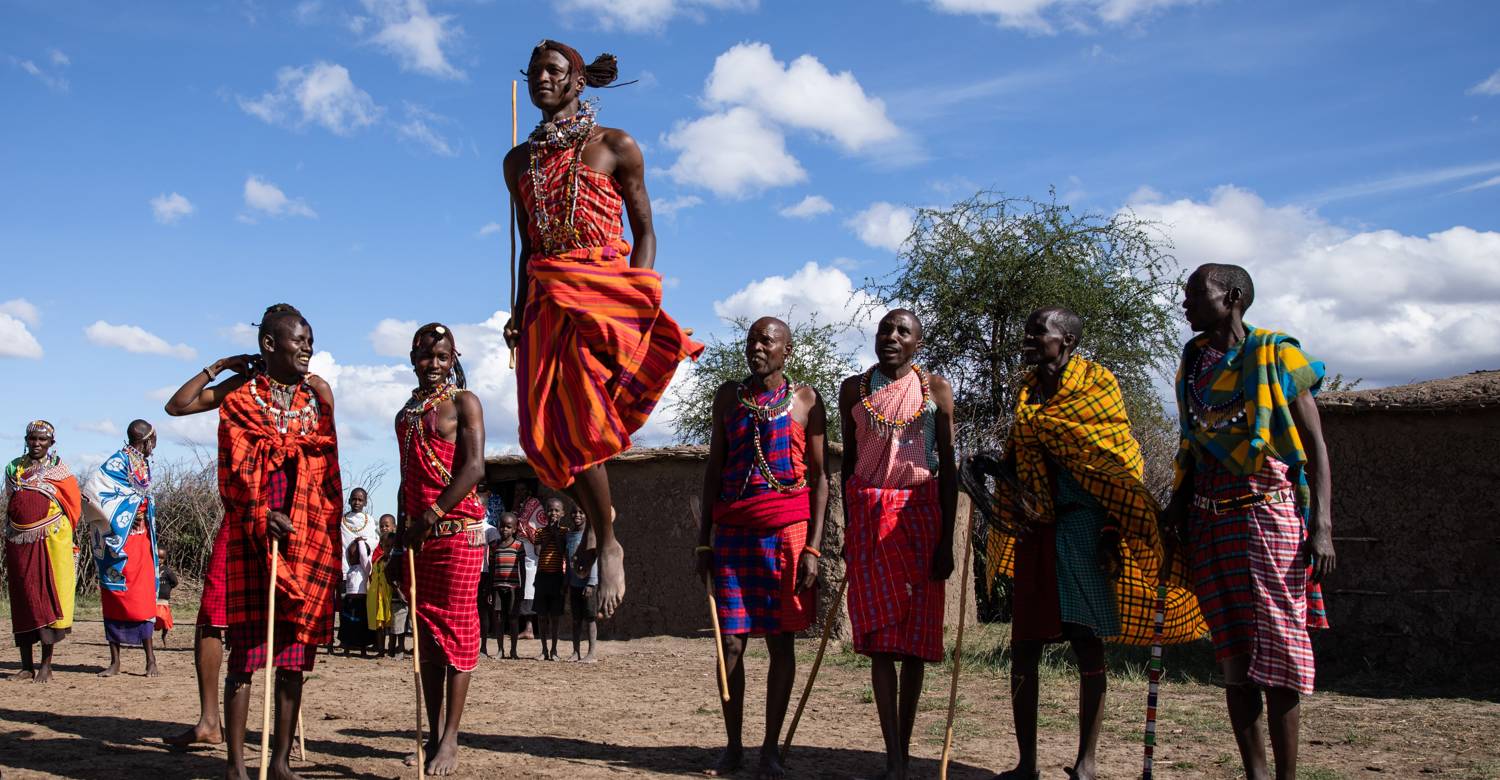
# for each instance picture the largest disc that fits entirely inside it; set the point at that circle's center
(770, 765)
(445, 760)
(197, 735)
(281, 770)
(152, 671)
(43, 674)
(1086, 770)
(24, 674)
(512, 655)
(588, 659)
(611, 579)
(113, 670)
(729, 763)
(427, 750)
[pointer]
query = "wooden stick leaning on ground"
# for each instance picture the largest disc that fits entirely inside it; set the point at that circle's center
(512, 210)
(958, 641)
(416, 653)
(265, 718)
(713, 612)
(812, 674)
(301, 735)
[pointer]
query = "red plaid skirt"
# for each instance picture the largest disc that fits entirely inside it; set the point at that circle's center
(247, 649)
(213, 608)
(448, 595)
(894, 604)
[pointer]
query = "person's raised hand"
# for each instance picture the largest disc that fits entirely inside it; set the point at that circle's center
(239, 364)
(512, 333)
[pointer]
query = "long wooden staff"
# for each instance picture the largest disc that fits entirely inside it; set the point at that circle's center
(416, 653)
(713, 612)
(265, 718)
(958, 642)
(833, 610)
(301, 737)
(512, 210)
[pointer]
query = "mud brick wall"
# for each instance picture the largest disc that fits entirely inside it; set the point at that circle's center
(1416, 518)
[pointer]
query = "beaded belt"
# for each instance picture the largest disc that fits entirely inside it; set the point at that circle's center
(1227, 505)
(452, 526)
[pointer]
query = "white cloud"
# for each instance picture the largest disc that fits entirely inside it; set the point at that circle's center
(307, 11)
(53, 79)
(883, 225)
(647, 15)
(817, 293)
(1493, 181)
(804, 95)
(1377, 304)
(807, 208)
(133, 338)
(168, 209)
(197, 430)
(490, 229)
(1041, 16)
(419, 128)
(410, 33)
(392, 337)
(58, 58)
(732, 154)
(267, 198)
(106, 427)
(669, 207)
(1490, 86)
(242, 335)
(321, 93)
(16, 339)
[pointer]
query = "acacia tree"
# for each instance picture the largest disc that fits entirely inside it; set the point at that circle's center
(974, 272)
(816, 360)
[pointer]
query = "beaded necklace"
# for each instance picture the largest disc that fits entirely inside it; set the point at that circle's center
(365, 522)
(139, 469)
(568, 132)
(778, 407)
(886, 426)
(414, 411)
(279, 411)
(35, 475)
(1212, 416)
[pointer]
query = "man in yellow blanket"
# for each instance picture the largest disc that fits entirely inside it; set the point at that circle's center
(594, 349)
(43, 504)
(1079, 533)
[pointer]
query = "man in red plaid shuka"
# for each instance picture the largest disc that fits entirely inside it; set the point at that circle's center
(279, 482)
(441, 435)
(900, 497)
(764, 495)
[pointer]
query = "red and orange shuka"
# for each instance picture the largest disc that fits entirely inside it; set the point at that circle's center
(596, 350)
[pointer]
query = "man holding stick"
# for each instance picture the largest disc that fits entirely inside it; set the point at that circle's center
(764, 497)
(440, 432)
(595, 350)
(279, 482)
(900, 500)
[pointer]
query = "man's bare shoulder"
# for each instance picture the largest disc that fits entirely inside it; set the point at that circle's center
(320, 386)
(618, 141)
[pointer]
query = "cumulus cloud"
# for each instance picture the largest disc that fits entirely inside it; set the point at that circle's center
(195, 430)
(803, 95)
(1378, 304)
(1043, 16)
(420, 127)
(883, 225)
(133, 338)
(490, 229)
(818, 293)
(267, 198)
(241, 334)
(168, 209)
(321, 94)
(409, 32)
(670, 206)
(647, 15)
(732, 154)
(1490, 86)
(807, 208)
(52, 76)
(17, 317)
(105, 427)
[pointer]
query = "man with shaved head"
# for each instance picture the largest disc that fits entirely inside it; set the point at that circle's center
(900, 499)
(764, 495)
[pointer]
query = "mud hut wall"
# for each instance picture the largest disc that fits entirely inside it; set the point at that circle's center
(1415, 505)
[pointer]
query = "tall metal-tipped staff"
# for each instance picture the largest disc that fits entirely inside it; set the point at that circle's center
(958, 642)
(812, 674)
(416, 653)
(512, 210)
(265, 717)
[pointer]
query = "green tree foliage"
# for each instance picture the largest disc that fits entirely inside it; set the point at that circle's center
(816, 360)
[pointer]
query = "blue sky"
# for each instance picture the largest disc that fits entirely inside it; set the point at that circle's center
(170, 169)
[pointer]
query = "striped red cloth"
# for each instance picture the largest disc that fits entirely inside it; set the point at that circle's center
(213, 606)
(894, 604)
(1251, 580)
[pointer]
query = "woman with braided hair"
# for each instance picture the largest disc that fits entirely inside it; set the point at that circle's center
(594, 349)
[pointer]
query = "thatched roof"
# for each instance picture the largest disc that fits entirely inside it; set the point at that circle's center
(675, 452)
(1479, 390)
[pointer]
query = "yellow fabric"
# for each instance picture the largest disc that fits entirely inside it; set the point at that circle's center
(378, 603)
(1084, 429)
(64, 574)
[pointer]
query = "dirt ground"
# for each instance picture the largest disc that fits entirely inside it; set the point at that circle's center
(650, 708)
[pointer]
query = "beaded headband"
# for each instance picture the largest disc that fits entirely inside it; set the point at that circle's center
(41, 426)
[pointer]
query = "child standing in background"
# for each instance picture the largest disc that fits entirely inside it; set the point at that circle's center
(581, 587)
(507, 572)
(551, 578)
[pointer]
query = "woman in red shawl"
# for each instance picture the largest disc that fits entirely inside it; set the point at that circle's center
(43, 505)
(594, 349)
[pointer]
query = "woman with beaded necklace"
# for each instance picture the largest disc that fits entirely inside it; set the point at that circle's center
(764, 496)
(900, 498)
(43, 505)
(594, 349)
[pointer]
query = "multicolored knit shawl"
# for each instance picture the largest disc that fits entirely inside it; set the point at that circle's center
(1271, 370)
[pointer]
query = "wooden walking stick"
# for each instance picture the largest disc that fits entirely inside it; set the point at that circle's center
(958, 641)
(301, 737)
(713, 612)
(416, 654)
(265, 718)
(833, 610)
(512, 210)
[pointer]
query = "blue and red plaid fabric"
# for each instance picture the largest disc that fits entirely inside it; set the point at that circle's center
(894, 604)
(755, 580)
(1250, 577)
(782, 441)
